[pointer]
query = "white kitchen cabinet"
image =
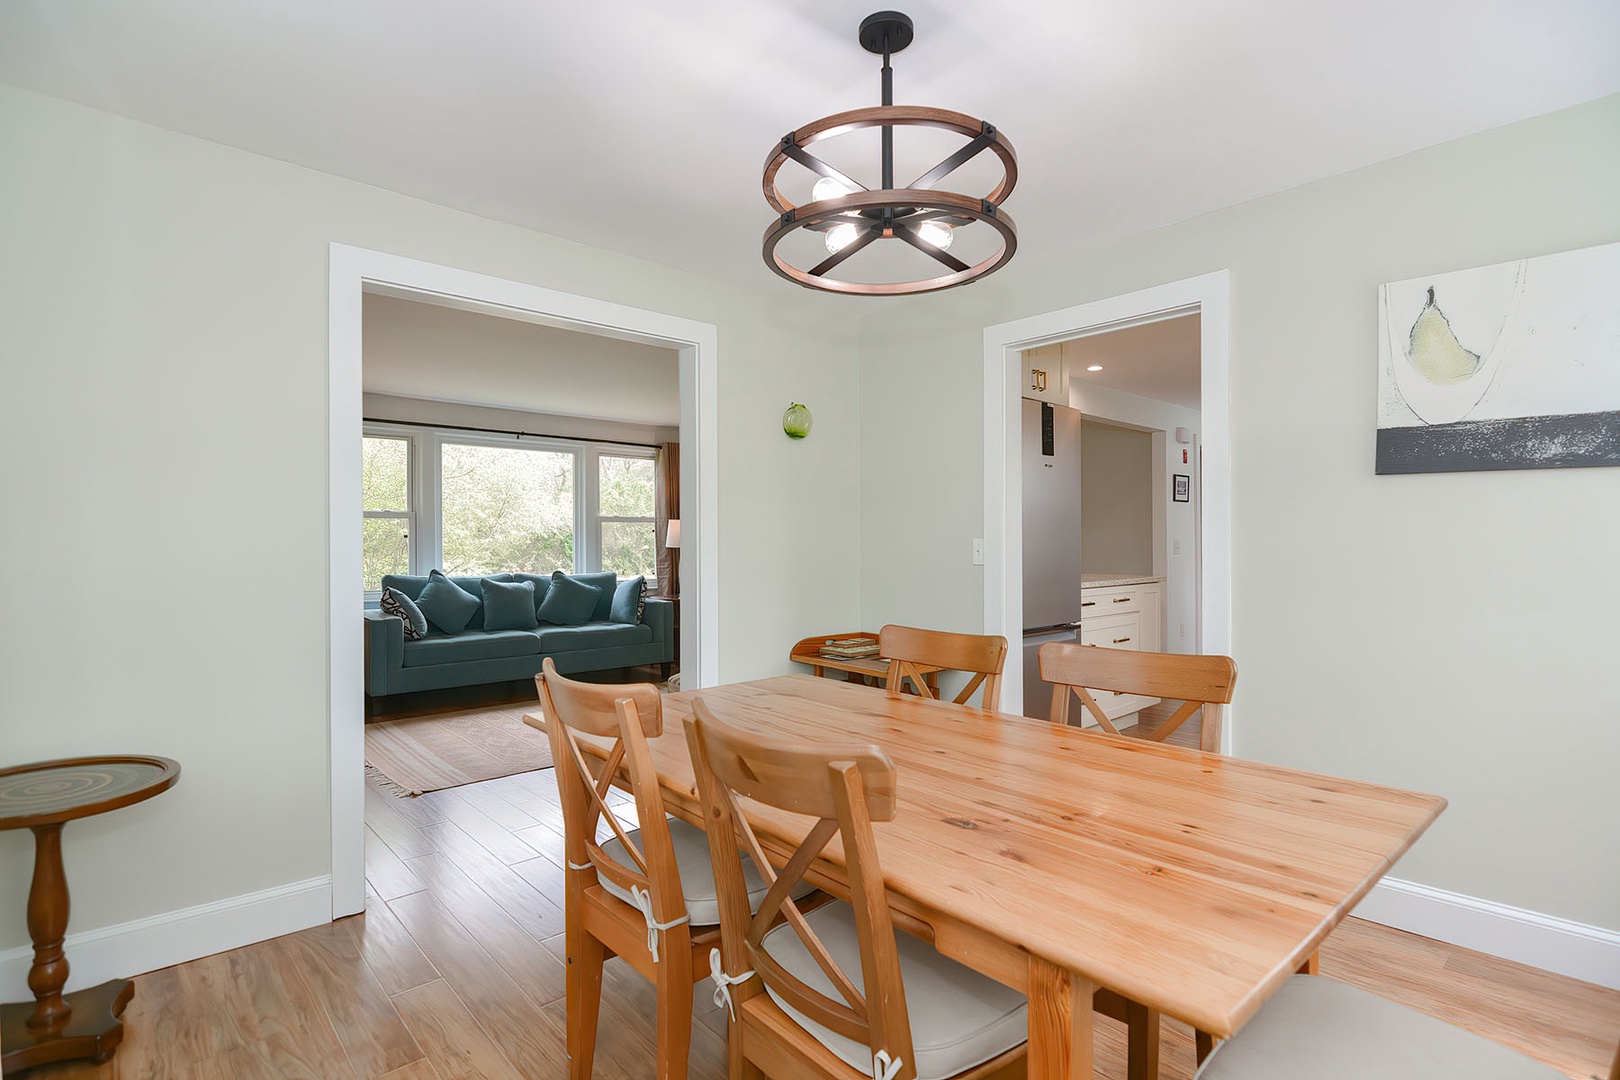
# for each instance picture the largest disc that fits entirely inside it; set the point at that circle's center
(1045, 378)
(1121, 617)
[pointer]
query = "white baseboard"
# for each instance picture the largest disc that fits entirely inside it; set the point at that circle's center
(1584, 952)
(132, 948)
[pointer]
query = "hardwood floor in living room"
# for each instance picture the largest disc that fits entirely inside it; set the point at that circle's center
(456, 970)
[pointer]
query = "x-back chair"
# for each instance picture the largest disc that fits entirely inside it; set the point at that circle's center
(834, 992)
(1196, 681)
(980, 655)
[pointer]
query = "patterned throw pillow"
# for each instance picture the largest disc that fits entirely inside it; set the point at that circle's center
(404, 608)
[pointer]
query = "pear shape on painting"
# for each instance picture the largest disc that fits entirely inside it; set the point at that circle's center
(1435, 351)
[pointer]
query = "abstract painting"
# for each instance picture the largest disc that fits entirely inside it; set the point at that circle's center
(1513, 366)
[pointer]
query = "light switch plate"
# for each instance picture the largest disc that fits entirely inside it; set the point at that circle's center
(978, 551)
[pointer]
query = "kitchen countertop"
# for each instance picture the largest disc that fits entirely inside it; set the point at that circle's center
(1097, 581)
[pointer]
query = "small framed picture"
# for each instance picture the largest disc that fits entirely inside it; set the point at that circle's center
(1183, 491)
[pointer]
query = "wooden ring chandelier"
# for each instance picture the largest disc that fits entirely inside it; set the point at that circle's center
(867, 215)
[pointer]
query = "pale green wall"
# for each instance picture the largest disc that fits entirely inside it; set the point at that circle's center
(163, 314)
(1450, 633)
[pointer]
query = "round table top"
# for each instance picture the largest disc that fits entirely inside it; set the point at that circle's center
(51, 792)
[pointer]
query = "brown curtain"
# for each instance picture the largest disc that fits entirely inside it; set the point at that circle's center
(668, 506)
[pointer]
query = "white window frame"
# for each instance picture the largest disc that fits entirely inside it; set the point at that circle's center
(413, 501)
(426, 488)
(594, 453)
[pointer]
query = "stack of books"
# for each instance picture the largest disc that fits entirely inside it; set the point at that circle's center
(855, 648)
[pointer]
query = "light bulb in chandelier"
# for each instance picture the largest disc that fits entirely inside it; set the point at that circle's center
(840, 237)
(828, 187)
(936, 234)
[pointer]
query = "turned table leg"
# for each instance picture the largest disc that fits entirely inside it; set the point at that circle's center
(54, 1027)
(47, 926)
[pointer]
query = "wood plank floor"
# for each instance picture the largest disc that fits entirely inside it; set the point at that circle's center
(455, 971)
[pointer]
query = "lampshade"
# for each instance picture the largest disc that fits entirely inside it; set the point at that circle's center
(672, 537)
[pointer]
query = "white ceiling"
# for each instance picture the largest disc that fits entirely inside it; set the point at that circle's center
(641, 126)
(418, 350)
(1158, 360)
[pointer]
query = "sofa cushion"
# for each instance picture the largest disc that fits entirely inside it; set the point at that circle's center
(569, 601)
(542, 585)
(404, 608)
(606, 581)
(596, 635)
(473, 645)
(508, 605)
(447, 605)
(627, 601)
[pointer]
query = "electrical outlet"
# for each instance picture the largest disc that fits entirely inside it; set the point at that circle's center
(978, 551)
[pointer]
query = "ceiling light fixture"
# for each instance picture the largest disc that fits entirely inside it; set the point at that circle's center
(1094, 367)
(850, 216)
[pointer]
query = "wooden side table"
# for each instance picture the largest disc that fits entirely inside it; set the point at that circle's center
(863, 671)
(43, 797)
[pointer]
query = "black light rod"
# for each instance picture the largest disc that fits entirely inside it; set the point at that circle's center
(888, 131)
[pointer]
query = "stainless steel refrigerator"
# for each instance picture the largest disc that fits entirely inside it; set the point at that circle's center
(1051, 440)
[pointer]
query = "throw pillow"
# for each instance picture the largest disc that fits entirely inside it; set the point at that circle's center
(568, 602)
(508, 605)
(446, 604)
(403, 607)
(627, 602)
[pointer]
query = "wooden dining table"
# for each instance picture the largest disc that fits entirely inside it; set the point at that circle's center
(1059, 861)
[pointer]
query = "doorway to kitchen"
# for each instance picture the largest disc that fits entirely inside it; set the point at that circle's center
(1110, 425)
(1201, 525)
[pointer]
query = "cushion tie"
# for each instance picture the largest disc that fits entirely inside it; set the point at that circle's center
(582, 866)
(884, 1067)
(643, 901)
(723, 982)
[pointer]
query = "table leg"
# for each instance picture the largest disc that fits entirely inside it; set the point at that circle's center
(1060, 1023)
(84, 1024)
(47, 926)
(1142, 1039)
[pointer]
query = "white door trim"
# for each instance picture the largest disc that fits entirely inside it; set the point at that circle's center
(1209, 295)
(354, 271)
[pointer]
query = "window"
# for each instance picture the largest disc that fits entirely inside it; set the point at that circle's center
(477, 503)
(385, 472)
(505, 508)
(625, 494)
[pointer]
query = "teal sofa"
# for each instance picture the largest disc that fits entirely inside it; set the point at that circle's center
(476, 655)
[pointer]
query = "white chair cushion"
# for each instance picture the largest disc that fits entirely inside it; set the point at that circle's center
(959, 1018)
(1318, 1029)
(691, 846)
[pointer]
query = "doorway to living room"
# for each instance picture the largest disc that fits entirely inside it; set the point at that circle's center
(360, 277)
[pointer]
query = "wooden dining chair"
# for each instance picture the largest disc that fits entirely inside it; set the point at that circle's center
(915, 655)
(1318, 1029)
(833, 992)
(1198, 682)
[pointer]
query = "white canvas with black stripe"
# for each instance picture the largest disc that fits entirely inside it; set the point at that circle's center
(1512, 366)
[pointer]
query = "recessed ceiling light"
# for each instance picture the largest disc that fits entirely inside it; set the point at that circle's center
(1094, 367)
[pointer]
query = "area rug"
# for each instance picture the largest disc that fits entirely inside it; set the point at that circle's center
(429, 753)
